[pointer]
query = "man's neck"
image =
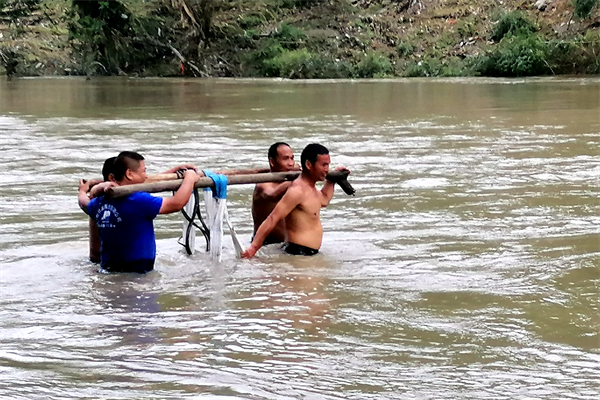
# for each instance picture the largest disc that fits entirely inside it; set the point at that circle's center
(305, 175)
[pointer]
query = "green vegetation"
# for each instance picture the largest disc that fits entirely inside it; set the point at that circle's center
(404, 49)
(512, 23)
(519, 52)
(103, 33)
(113, 37)
(516, 55)
(298, 39)
(522, 51)
(12, 11)
(583, 8)
(374, 65)
(301, 64)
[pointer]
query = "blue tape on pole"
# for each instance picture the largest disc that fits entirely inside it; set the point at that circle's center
(220, 191)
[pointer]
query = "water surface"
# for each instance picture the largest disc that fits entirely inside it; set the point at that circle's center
(466, 266)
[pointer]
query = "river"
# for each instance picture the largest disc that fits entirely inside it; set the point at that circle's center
(466, 267)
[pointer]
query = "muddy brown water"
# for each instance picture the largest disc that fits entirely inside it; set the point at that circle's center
(467, 266)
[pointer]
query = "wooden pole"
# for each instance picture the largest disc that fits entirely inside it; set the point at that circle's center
(170, 186)
(173, 176)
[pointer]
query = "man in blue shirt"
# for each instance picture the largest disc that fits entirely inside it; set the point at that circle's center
(126, 224)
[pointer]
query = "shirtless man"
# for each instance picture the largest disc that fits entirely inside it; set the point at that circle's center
(301, 206)
(267, 195)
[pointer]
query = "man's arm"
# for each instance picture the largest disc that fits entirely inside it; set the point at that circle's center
(290, 200)
(181, 197)
(99, 189)
(272, 192)
(328, 189)
(180, 167)
(82, 197)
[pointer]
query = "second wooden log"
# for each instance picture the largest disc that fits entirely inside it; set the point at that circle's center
(170, 186)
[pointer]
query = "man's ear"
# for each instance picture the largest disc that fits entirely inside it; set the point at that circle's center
(271, 163)
(129, 174)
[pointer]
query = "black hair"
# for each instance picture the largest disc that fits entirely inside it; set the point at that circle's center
(124, 161)
(311, 152)
(108, 167)
(273, 153)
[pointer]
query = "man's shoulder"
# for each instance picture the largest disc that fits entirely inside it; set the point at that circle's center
(93, 204)
(258, 190)
(296, 189)
(98, 201)
(145, 201)
(266, 185)
(142, 196)
(301, 184)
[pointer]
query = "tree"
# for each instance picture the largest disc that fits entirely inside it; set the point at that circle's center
(110, 35)
(101, 30)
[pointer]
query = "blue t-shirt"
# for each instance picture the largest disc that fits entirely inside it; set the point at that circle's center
(126, 228)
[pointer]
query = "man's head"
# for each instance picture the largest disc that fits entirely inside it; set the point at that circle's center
(315, 161)
(281, 157)
(129, 168)
(107, 169)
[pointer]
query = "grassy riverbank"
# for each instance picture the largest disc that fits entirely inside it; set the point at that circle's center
(304, 38)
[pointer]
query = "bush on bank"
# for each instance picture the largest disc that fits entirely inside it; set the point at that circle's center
(512, 23)
(522, 51)
(583, 8)
(514, 56)
(300, 39)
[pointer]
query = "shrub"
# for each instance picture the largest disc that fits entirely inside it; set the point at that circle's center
(267, 50)
(12, 11)
(290, 36)
(249, 21)
(302, 64)
(290, 64)
(512, 23)
(583, 54)
(583, 8)
(562, 56)
(404, 48)
(374, 65)
(467, 29)
(286, 38)
(434, 67)
(337, 69)
(590, 48)
(419, 69)
(454, 66)
(516, 55)
(296, 3)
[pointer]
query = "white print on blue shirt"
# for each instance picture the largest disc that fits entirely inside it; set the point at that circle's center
(110, 216)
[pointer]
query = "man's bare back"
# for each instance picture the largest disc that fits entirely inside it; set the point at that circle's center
(263, 203)
(267, 195)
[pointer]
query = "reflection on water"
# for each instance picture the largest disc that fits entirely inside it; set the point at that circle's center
(467, 265)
